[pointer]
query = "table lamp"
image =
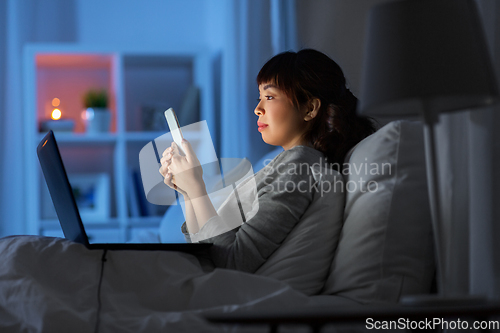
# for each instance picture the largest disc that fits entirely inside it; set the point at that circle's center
(422, 58)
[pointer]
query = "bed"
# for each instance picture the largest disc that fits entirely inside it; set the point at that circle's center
(383, 251)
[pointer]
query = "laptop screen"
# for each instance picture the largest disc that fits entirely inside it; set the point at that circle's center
(60, 190)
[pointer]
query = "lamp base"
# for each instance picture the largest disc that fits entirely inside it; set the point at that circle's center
(442, 301)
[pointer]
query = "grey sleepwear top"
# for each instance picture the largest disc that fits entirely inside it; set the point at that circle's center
(273, 202)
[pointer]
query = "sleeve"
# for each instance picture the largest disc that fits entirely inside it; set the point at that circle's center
(186, 233)
(282, 202)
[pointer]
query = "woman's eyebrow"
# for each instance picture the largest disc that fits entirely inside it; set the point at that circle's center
(268, 86)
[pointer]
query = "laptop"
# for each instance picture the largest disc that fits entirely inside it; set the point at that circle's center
(67, 209)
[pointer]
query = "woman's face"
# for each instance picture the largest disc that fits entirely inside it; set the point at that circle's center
(280, 123)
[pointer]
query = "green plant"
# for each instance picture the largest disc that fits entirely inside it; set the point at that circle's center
(95, 99)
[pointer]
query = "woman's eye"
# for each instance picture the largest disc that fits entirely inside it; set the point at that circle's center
(269, 97)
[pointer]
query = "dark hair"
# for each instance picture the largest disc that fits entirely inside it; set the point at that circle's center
(311, 74)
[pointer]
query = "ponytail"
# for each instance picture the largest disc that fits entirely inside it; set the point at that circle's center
(338, 128)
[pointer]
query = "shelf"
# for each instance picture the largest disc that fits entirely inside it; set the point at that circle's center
(148, 136)
(83, 138)
(67, 77)
(152, 84)
(109, 138)
(141, 85)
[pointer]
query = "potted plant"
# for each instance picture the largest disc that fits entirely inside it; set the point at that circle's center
(96, 114)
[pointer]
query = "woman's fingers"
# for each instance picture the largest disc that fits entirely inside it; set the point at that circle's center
(166, 151)
(174, 149)
(169, 158)
(166, 159)
(163, 170)
(173, 159)
(169, 181)
(190, 154)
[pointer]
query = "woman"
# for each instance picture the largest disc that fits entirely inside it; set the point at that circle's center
(304, 107)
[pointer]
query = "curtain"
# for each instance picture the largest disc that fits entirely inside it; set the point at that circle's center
(3, 113)
(12, 191)
(283, 25)
(484, 167)
(469, 171)
(23, 21)
(256, 30)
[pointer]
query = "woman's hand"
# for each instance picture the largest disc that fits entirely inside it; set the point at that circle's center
(167, 176)
(183, 173)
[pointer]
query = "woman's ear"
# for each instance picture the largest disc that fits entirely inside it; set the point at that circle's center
(312, 108)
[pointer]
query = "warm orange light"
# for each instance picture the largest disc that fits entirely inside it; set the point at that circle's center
(56, 102)
(56, 114)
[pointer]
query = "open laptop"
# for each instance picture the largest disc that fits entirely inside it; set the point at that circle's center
(67, 209)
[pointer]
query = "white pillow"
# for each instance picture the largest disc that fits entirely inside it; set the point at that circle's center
(386, 248)
(304, 258)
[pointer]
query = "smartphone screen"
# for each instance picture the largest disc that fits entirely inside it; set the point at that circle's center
(175, 129)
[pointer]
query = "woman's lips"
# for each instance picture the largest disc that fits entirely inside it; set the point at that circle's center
(262, 126)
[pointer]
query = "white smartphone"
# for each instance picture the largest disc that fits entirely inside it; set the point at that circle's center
(175, 129)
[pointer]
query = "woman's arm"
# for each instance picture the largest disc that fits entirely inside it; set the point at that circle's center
(201, 205)
(279, 210)
(283, 192)
(191, 221)
(184, 174)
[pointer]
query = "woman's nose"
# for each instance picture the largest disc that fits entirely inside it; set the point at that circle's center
(259, 110)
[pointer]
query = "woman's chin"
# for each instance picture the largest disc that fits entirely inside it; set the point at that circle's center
(265, 139)
(271, 143)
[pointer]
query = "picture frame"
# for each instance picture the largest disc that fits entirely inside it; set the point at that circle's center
(92, 195)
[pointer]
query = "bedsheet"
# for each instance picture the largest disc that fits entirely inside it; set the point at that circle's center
(54, 285)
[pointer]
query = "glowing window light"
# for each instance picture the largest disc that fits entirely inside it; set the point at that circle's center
(56, 102)
(56, 114)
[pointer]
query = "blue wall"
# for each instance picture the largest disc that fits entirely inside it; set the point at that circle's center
(152, 22)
